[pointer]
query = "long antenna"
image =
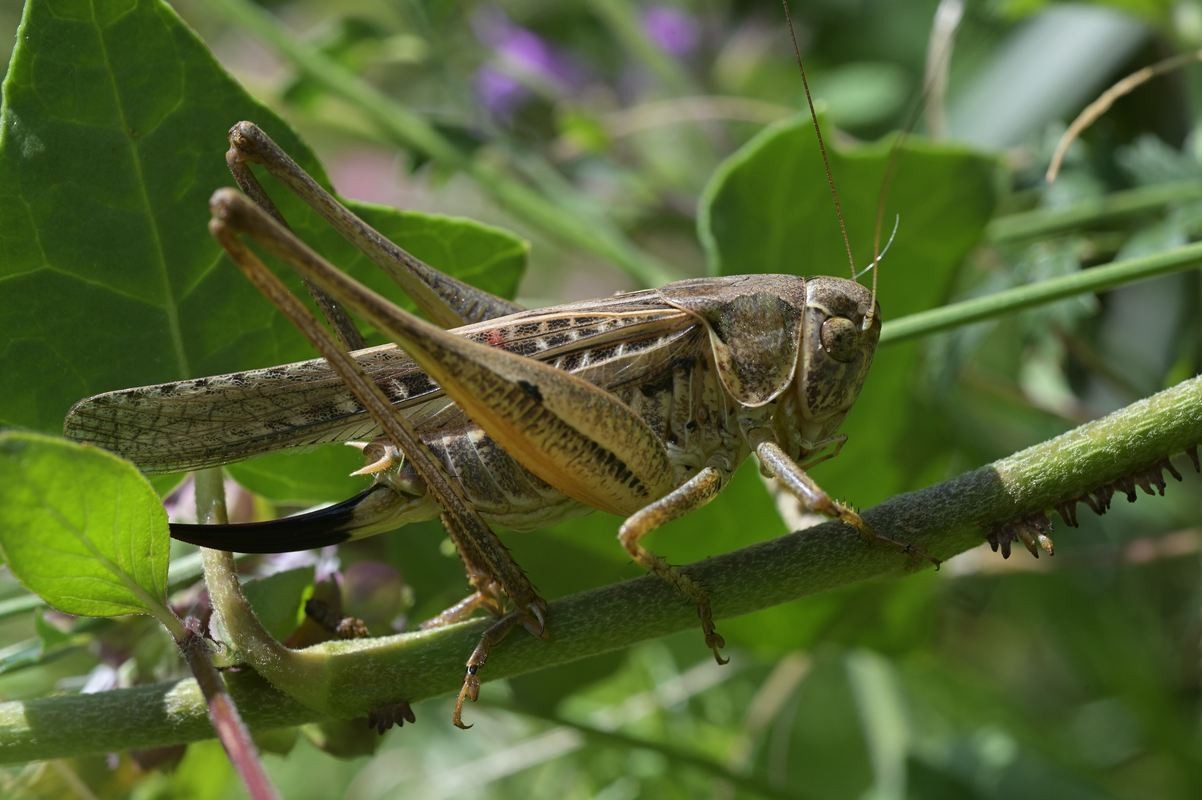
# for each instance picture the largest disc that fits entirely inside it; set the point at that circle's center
(826, 164)
(947, 20)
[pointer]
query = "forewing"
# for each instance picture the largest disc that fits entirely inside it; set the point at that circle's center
(205, 422)
(218, 420)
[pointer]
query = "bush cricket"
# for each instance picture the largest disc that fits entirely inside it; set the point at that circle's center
(641, 404)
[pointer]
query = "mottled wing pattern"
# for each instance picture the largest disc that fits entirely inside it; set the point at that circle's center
(205, 422)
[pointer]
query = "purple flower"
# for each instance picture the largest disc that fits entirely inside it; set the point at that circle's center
(518, 51)
(501, 94)
(526, 50)
(671, 29)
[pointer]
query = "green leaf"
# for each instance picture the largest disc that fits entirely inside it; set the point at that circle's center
(278, 599)
(312, 475)
(111, 140)
(203, 773)
(768, 209)
(81, 528)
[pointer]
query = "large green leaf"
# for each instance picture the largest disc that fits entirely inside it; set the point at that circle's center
(278, 599)
(768, 209)
(113, 129)
(81, 527)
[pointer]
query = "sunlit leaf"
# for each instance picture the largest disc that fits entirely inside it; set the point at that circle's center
(81, 527)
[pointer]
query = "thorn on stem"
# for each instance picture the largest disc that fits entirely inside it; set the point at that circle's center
(385, 717)
(1031, 530)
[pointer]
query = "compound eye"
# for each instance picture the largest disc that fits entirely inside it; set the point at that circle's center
(840, 338)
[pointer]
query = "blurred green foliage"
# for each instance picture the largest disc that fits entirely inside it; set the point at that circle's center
(1075, 678)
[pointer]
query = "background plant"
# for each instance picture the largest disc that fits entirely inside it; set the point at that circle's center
(591, 110)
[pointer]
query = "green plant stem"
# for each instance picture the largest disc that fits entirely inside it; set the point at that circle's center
(222, 710)
(1042, 222)
(210, 497)
(1094, 279)
(409, 130)
(299, 672)
(21, 604)
(224, 716)
(363, 674)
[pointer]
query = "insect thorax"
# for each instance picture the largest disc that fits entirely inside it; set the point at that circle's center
(752, 352)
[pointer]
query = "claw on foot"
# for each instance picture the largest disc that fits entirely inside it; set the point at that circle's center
(869, 534)
(715, 643)
(469, 691)
(491, 637)
(713, 639)
(534, 619)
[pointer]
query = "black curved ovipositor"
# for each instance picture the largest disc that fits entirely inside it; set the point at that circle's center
(325, 526)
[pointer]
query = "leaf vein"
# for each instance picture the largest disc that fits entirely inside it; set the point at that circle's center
(169, 304)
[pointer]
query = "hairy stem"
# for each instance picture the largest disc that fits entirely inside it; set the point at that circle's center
(223, 711)
(359, 675)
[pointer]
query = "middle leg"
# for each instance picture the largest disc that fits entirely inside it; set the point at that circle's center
(777, 464)
(689, 496)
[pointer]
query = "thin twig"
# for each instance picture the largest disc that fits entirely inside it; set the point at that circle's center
(1105, 100)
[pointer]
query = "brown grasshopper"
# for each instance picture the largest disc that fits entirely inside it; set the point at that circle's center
(641, 404)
